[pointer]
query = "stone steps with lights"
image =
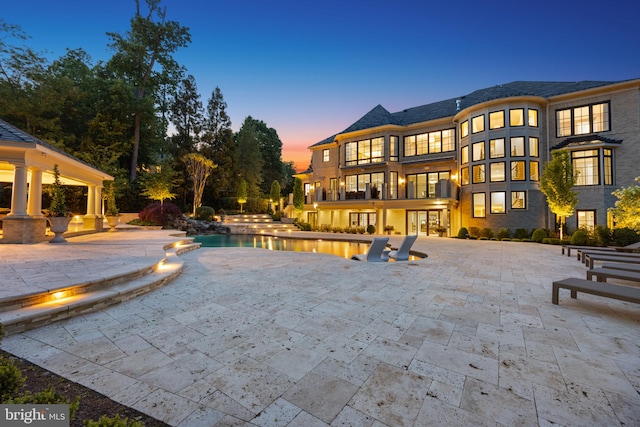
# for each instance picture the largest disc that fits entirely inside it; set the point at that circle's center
(260, 228)
(19, 314)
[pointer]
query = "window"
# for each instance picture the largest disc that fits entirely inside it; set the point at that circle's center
(608, 166)
(518, 200)
(496, 172)
(358, 184)
(496, 120)
(586, 219)
(479, 205)
(533, 118)
(517, 146)
(393, 184)
(464, 154)
(325, 155)
(583, 120)
(498, 199)
(533, 147)
(477, 124)
(516, 117)
(534, 173)
(464, 176)
(496, 148)
(464, 129)
(585, 167)
(363, 152)
(429, 143)
(362, 219)
(478, 174)
(518, 171)
(307, 188)
(425, 184)
(393, 148)
(478, 151)
(333, 189)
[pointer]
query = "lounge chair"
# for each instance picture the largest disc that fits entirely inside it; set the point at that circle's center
(375, 252)
(402, 254)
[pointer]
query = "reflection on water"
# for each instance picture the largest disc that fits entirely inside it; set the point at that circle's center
(331, 247)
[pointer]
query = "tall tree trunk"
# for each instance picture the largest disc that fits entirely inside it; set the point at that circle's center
(136, 145)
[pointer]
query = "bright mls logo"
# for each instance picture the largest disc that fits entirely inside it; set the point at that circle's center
(34, 415)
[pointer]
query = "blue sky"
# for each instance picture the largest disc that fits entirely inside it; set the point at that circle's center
(309, 69)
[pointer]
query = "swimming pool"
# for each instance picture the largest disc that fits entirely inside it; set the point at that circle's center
(332, 247)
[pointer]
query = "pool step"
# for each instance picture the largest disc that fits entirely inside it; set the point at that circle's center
(19, 314)
(264, 228)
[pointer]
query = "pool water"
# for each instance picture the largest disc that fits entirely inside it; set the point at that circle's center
(331, 247)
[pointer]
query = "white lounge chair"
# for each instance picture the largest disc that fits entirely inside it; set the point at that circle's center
(402, 254)
(375, 252)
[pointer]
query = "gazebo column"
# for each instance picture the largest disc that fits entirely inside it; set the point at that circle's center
(34, 201)
(93, 220)
(18, 226)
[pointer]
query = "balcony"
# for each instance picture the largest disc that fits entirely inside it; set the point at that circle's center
(444, 189)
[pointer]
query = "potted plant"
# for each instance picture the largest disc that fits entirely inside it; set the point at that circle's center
(58, 215)
(441, 230)
(112, 213)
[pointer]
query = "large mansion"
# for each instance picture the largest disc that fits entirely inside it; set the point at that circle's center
(476, 160)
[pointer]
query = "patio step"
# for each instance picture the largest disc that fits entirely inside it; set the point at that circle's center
(19, 314)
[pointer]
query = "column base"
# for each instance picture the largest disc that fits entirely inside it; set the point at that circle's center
(24, 230)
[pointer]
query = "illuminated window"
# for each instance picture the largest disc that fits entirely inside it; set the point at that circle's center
(393, 148)
(533, 147)
(608, 166)
(351, 153)
(478, 151)
(518, 171)
(479, 205)
(477, 124)
(393, 184)
(410, 146)
(478, 174)
(533, 118)
(496, 120)
(325, 155)
(365, 151)
(496, 172)
(464, 154)
(464, 129)
(435, 142)
(517, 146)
(583, 120)
(464, 176)
(586, 219)
(421, 144)
(534, 173)
(498, 202)
(585, 167)
(516, 117)
(449, 140)
(518, 200)
(425, 183)
(429, 143)
(496, 148)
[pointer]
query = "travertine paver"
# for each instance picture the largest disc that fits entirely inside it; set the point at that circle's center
(245, 336)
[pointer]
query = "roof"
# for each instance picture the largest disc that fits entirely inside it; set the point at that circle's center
(577, 141)
(379, 116)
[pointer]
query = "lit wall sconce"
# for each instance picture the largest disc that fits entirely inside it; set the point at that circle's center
(400, 181)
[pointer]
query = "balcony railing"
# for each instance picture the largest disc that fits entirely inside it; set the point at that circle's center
(444, 189)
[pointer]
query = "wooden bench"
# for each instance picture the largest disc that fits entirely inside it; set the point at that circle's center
(569, 248)
(609, 290)
(603, 273)
(621, 266)
(581, 252)
(589, 258)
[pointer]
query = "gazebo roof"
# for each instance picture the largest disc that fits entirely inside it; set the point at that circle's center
(18, 147)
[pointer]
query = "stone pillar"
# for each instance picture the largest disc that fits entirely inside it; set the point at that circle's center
(34, 201)
(91, 200)
(19, 192)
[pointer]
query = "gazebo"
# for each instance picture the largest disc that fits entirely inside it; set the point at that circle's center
(27, 163)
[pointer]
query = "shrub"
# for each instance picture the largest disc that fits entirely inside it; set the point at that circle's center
(275, 217)
(552, 241)
(486, 232)
(463, 233)
(503, 233)
(48, 396)
(11, 378)
(539, 235)
(601, 235)
(371, 228)
(625, 236)
(304, 226)
(474, 231)
(521, 233)
(116, 421)
(205, 213)
(505, 239)
(158, 214)
(579, 237)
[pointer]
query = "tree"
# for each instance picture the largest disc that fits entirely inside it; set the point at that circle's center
(158, 185)
(274, 194)
(248, 157)
(298, 196)
(199, 168)
(242, 193)
(626, 212)
(557, 185)
(186, 115)
(150, 43)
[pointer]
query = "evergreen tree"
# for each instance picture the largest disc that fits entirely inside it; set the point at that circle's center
(557, 184)
(248, 158)
(298, 195)
(186, 115)
(274, 194)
